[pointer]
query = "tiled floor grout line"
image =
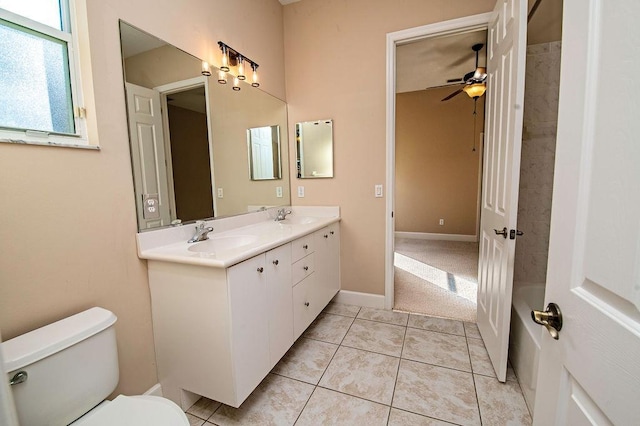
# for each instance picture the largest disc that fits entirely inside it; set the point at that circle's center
(473, 378)
(393, 394)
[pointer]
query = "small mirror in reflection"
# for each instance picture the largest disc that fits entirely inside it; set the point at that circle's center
(314, 147)
(264, 153)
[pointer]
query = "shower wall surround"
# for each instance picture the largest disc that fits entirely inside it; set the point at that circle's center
(537, 163)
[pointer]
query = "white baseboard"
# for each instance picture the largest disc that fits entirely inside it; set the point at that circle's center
(440, 237)
(155, 390)
(367, 300)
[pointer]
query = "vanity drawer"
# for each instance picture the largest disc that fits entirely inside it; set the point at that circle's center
(302, 268)
(306, 304)
(301, 247)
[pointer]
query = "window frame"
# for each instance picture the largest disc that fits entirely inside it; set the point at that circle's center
(69, 35)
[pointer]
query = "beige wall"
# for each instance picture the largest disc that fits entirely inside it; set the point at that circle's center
(335, 66)
(68, 221)
(436, 167)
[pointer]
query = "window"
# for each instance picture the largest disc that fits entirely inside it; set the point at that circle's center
(40, 99)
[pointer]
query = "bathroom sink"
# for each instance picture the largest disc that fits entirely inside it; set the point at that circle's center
(298, 220)
(222, 243)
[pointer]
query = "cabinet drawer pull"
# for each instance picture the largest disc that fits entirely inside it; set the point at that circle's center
(260, 269)
(326, 236)
(306, 303)
(332, 232)
(306, 268)
(275, 262)
(305, 246)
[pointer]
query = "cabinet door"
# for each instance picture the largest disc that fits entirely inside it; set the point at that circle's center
(322, 258)
(249, 325)
(279, 302)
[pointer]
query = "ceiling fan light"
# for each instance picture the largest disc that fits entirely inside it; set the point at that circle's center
(475, 90)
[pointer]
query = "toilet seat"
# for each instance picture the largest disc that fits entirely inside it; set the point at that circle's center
(135, 410)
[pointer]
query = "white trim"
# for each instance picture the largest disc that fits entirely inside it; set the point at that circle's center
(155, 390)
(367, 300)
(438, 237)
(469, 23)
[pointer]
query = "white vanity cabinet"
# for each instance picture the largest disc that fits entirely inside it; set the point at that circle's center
(219, 331)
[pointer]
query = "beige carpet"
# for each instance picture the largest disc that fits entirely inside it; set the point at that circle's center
(437, 278)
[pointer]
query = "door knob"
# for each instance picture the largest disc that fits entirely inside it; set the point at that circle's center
(551, 319)
(504, 232)
(514, 232)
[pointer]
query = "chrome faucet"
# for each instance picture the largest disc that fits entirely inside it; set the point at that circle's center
(202, 233)
(282, 214)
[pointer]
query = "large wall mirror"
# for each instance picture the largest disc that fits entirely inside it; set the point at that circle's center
(314, 149)
(188, 137)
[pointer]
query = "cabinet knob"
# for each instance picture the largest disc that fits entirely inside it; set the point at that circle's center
(306, 303)
(275, 262)
(332, 232)
(326, 236)
(305, 246)
(306, 268)
(260, 269)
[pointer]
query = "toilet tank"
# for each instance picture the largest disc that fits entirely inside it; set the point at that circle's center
(71, 366)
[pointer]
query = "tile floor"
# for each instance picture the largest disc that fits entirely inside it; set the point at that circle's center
(363, 366)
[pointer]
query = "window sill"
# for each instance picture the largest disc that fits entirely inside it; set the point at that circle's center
(50, 143)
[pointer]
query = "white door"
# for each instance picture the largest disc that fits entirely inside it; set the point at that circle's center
(591, 375)
(148, 156)
(506, 51)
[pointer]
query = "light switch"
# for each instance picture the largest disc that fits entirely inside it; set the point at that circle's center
(378, 191)
(279, 191)
(301, 192)
(220, 193)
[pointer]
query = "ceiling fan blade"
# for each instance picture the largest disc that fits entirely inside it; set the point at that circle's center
(455, 80)
(457, 92)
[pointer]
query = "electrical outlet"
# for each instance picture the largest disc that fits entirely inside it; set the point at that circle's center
(151, 206)
(220, 193)
(441, 222)
(278, 191)
(301, 192)
(378, 191)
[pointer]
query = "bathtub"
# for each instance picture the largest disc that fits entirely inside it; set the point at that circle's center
(525, 336)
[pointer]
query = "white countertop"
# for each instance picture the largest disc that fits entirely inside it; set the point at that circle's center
(234, 239)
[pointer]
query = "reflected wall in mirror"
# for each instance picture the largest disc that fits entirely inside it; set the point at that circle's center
(314, 148)
(188, 136)
(264, 152)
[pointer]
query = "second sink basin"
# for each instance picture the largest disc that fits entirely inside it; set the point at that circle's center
(298, 220)
(222, 243)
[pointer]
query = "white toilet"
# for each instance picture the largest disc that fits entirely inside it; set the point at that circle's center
(62, 373)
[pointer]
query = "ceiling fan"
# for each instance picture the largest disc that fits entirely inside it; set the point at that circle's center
(474, 81)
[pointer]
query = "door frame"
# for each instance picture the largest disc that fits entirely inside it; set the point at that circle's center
(454, 26)
(181, 86)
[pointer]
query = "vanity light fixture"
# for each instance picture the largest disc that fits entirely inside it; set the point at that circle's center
(225, 58)
(241, 75)
(235, 63)
(254, 82)
(206, 69)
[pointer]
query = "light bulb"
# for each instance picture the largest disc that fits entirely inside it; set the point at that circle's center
(222, 77)
(255, 76)
(225, 59)
(241, 75)
(206, 70)
(236, 84)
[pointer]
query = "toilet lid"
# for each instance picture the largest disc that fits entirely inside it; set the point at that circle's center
(136, 410)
